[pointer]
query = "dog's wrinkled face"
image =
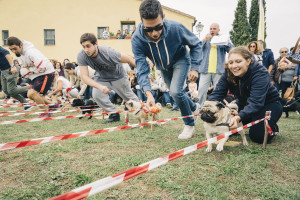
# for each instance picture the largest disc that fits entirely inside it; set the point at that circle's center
(132, 105)
(211, 111)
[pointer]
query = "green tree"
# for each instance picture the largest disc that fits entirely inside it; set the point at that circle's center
(240, 33)
(254, 19)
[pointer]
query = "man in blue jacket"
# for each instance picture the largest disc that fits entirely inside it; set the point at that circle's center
(212, 66)
(268, 57)
(163, 42)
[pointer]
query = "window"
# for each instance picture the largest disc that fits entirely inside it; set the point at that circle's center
(126, 25)
(49, 37)
(4, 37)
(100, 32)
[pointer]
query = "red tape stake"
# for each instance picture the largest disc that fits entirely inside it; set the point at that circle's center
(13, 145)
(108, 182)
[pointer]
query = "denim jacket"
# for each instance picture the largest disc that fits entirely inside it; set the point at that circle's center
(221, 53)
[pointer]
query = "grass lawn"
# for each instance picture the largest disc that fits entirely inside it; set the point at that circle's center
(46, 170)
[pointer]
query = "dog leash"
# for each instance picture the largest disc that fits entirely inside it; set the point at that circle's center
(286, 106)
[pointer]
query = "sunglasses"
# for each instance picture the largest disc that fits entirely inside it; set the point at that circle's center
(283, 52)
(252, 46)
(156, 28)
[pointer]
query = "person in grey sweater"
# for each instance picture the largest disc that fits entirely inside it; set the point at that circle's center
(110, 74)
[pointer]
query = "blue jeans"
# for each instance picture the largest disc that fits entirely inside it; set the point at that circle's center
(175, 78)
(141, 95)
(167, 98)
(88, 92)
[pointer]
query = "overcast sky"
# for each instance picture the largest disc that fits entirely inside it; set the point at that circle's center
(282, 18)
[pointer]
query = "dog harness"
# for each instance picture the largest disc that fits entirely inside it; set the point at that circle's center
(143, 109)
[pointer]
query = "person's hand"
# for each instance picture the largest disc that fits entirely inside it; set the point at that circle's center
(296, 78)
(150, 99)
(233, 124)
(13, 70)
(79, 96)
(208, 37)
(284, 66)
(104, 89)
(49, 95)
(193, 76)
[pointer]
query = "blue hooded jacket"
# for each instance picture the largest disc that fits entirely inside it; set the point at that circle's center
(253, 91)
(166, 51)
(268, 58)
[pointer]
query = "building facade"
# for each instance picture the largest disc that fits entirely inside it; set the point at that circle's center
(55, 26)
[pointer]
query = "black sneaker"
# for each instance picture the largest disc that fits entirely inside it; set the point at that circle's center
(27, 107)
(53, 107)
(114, 117)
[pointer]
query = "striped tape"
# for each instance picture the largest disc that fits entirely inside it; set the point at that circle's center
(108, 182)
(38, 113)
(14, 145)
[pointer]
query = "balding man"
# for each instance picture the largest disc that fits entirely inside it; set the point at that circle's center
(212, 66)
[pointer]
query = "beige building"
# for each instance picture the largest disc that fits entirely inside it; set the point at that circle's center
(55, 26)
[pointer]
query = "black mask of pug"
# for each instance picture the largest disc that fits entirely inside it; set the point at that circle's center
(82, 104)
(216, 117)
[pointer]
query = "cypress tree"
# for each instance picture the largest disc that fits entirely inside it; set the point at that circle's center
(254, 19)
(240, 33)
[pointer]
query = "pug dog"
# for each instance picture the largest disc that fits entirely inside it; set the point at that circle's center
(216, 117)
(141, 112)
(82, 104)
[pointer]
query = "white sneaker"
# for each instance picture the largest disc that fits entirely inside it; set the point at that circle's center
(197, 111)
(10, 101)
(187, 132)
(169, 105)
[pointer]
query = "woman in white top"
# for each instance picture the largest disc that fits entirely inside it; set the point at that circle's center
(62, 87)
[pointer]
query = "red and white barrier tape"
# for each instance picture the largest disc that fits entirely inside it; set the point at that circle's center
(108, 182)
(14, 145)
(55, 118)
(267, 118)
(22, 105)
(14, 111)
(38, 113)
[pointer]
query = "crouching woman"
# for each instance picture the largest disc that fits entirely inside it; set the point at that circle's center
(250, 83)
(62, 87)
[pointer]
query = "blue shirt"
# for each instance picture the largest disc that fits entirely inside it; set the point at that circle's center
(3, 61)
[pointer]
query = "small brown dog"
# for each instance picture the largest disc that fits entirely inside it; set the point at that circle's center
(216, 117)
(141, 112)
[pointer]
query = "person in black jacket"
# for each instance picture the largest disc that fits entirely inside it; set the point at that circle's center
(250, 83)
